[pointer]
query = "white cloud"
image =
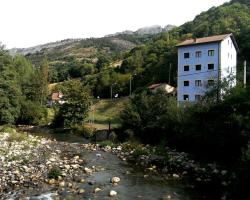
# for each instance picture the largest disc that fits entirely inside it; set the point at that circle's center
(30, 22)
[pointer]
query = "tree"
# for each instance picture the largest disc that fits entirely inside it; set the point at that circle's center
(75, 109)
(10, 90)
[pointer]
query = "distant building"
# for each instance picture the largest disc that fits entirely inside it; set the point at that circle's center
(164, 87)
(57, 97)
(202, 63)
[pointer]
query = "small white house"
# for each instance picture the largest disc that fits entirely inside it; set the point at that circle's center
(203, 62)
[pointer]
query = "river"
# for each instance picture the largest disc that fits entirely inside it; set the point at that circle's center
(133, 184)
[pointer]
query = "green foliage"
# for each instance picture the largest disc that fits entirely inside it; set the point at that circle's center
(16, 137)
(85, 130)
(152, 117)
(10, 91)
(54, 173)
(139, 151)
(33, 113)
(75, 109)
(7, 129)
(16, 86)
(217, 131)
(106, 143)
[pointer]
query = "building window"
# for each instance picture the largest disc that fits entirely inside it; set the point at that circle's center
(185, 97)
(210, 52)
(210, 83)
(197, 97)
(186, 83)
(186, 55)
(186, 68)
(198, 83)
(198, 54)
(197, 67)
(210, 66)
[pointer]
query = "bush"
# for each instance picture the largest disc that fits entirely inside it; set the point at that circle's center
(16, 137)
(151, 117)
(106, 143)
(8, 129)
(139, 151)
(32, 113)
(54, 173)
(86, 130)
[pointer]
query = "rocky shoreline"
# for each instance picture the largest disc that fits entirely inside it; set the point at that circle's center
(31, 165)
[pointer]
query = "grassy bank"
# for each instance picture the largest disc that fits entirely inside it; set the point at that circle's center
(105, 110)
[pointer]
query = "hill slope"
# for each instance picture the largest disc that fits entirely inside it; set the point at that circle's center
(154, 61)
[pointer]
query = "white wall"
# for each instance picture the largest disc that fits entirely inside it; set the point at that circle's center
(228, 59)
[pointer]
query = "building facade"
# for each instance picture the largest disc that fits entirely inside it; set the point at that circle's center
(202, 63)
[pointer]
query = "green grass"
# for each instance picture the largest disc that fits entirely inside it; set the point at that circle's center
(51, 114)
(106, 110)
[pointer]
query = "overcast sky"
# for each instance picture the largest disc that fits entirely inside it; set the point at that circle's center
(25, 23)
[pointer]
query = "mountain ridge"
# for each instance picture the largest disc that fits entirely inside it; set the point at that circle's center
(148, 30)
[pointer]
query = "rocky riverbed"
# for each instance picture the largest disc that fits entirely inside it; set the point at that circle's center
(33, 167)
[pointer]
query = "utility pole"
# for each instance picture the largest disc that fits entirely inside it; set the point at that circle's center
(169, 73)
(130, 85)
(111, 92)
(245, 73)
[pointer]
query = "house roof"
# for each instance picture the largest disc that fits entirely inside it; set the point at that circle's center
(168, 88)
(211, 39)
(56, 96)
(151, 87)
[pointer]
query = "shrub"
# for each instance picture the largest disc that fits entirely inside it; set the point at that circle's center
(106, 143)
(8, 129)
(86, 130)
(139, 151)
(54, 173)
(16, 137)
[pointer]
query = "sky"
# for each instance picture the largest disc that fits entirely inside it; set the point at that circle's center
(26, 23)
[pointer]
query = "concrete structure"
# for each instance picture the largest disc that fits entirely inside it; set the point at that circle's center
(204, 62)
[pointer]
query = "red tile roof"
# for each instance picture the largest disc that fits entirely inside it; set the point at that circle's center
(151, 87)
(56, 96)
(215, 38)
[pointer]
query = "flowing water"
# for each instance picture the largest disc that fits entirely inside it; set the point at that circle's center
(133, 184)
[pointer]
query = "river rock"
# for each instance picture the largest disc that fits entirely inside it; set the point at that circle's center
(119, 148)
(167, 197)
(76, 157)
(97, 190)
(70, 185)
(112, 193)
(81, 191)
(62, 184)
(52, 181)
(87, 170)
(98, 155)
(82, 180)
(76, 166)
(176, 176)
(67, 167)
(52, 159)
(115, 180)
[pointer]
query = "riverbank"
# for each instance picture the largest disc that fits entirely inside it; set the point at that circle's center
(41, 168)
(211, 180)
